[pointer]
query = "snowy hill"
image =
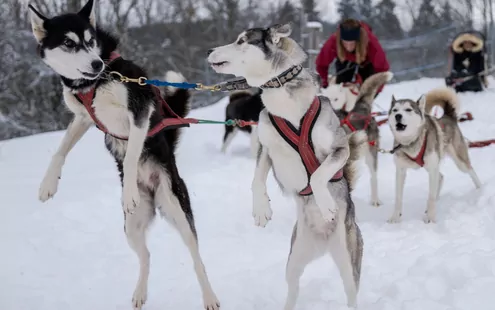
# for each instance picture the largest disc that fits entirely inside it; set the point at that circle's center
(71, 252)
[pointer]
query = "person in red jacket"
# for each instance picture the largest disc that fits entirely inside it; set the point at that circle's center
(358, 53)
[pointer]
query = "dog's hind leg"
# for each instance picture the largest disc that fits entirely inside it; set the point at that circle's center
(461, 158)
(172, 200)
(230, 132)
(346, 248)
(135, 228)
(302, 252)
(372, 163)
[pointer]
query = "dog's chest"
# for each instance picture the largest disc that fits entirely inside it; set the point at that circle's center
(110, 107)
(287, 164)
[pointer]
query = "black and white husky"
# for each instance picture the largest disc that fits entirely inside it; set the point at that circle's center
(74, 48)
(243, 105)
(421, 140)
(269, 59)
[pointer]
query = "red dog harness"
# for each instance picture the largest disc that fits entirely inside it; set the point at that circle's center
(170, 120)
(419, 159)
(300, 141)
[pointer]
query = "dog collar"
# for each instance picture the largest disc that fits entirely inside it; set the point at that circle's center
(286, 76)
(276, 82)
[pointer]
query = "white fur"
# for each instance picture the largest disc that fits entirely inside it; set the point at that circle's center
(71, 65)
(321, 215)
(173, 77)
(411, 119)
(71, 35)
(77, 128)
(339, 96)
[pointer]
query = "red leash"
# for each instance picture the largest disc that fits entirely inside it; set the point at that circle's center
(477, 144)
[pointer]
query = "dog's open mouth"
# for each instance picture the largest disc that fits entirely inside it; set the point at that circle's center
(219, 64)
(400, 127)
(90, 75)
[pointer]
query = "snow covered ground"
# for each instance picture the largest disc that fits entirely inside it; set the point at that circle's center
(71, 252)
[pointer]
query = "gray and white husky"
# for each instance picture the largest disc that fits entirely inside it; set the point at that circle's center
(77, 50)
(326, 218)
(421, 140)
(360, 118)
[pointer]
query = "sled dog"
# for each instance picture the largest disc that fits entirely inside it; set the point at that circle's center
(342, 96)
(243, 105)
(84, 55)
(312, 158)
(360, 118)
(421, 140)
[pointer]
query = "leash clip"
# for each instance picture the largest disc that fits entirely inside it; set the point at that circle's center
(124, 79)
(212, 88)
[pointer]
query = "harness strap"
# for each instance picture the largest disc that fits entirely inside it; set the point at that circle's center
(163, 108)
(300, 141)
(419, 159)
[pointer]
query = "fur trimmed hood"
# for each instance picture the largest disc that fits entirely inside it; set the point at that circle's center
(477, 41)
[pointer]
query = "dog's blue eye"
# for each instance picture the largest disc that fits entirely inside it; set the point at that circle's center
(69, 43)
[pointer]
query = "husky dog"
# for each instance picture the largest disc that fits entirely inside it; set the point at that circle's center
(342, 96)
(421, 140)
(244, 105)
(269, 59)
(359, 118)
(75, 49)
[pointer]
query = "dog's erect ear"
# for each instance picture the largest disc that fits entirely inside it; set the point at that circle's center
(37, 23)
(393, 100)
(422, 103)
(279, 31)
(88, 12)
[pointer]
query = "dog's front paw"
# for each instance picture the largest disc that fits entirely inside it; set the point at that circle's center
(395, 218)
(329, 214)
(130, 199)
(262, 212)
(139, 298)
(429, 217)
(211, 302)
(376, 203)
(49, 185)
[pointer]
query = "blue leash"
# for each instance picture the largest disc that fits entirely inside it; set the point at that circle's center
(183, 85)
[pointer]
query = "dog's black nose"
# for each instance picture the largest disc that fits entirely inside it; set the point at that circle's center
(398, 117)
(97, 65)
(210, 51)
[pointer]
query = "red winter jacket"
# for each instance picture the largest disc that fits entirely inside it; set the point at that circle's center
(328, 53)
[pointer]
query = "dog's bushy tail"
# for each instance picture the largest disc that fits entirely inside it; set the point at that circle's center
(178, 99)
(444, 97)
(370, 86)
(357, 142)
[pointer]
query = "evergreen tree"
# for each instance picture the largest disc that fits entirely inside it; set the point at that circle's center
(386, 24)
(446, 15)
(288, 13)
(366, 10)
(347, 9)
(427, 18)
(309, 7)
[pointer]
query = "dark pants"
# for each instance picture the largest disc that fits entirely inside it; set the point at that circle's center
(473, 84)
(346, 76)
